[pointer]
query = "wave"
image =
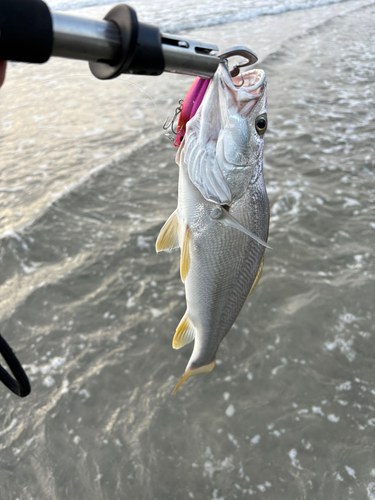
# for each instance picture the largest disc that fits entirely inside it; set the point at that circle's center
(189, 17)
(252, 13)
(16, 233)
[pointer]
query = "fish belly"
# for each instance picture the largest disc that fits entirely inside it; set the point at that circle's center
(224, 262)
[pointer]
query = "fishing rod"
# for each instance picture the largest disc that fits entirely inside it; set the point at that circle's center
(30, 32)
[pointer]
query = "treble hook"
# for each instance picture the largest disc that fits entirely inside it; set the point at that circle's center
(170, 124)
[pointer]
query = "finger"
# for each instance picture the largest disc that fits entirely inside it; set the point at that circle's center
(3, 65)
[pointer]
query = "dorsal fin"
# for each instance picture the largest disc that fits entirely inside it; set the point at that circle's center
(185, 332)
(185, 255)
(168, 236)
(257, 277)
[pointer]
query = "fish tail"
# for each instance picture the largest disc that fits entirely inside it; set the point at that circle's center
(194, 371)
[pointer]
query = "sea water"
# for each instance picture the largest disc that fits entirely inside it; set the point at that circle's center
(87, 178)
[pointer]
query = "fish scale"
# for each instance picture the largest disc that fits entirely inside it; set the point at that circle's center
(213, 304)
(241, 273)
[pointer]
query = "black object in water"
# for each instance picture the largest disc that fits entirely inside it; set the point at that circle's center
(20, 385)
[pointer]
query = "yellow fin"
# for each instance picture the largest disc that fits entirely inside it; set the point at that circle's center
(185, 256)
(193, 371)
(168, 236)
(257, 277)
(185, 332)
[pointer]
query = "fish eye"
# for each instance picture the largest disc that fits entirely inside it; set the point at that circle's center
(261, 124)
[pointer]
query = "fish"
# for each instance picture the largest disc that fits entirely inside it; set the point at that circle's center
(222, 217)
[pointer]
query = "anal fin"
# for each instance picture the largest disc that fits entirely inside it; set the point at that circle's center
(185, 332)
(257, 277)
(168, 236)
(185, 255)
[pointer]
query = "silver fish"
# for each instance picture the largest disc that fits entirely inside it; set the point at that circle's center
(222, 218)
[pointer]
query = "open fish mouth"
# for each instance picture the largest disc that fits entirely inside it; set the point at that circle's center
(222, 148)
(247, 88)
(251, 80)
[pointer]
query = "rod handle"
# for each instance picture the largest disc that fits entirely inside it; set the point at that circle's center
(26, 32)
(141, 48)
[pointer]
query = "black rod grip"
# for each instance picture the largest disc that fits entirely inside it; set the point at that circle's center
(20, 385)
(26, 32)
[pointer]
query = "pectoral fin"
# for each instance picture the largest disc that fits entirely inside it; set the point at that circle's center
(193, 371)
(185, 256)
(168, 236)
(257, 277)
(185, 332)
(225, 218)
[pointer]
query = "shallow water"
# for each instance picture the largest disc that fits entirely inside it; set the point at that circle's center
(86, 181)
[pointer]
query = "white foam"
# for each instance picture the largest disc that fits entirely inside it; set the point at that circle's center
(333, 418)
(293, 458)
(192, 16)
(345, 386)
(350, 471)
(230, 411)
(255, 439)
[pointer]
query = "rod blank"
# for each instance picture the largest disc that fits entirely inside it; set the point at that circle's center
(99, 41)
(30, 32)
(85, 39)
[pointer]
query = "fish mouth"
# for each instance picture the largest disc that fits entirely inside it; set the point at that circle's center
(251, 80)
(247, 88)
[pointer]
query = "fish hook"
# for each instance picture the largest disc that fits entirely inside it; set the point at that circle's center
(170, 124)
(235, 72)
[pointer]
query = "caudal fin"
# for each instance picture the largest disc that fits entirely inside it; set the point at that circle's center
(193, 371)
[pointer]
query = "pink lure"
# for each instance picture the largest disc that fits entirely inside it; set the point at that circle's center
(190, 106)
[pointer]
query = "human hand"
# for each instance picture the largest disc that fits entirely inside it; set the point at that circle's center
(3, 65)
